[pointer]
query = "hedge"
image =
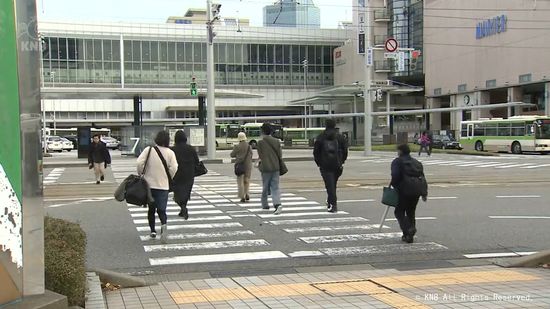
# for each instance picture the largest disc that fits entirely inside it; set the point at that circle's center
(64, 258)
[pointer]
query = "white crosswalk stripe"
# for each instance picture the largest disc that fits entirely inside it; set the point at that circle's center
(473, 162)
(222, 229)
(53, 176)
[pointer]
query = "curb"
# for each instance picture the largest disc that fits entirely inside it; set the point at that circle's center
(124, 280)
(533, 260)
(229, 161)
(94, 294)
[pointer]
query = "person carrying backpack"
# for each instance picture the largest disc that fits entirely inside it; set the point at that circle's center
(407, 177)
(330, 152)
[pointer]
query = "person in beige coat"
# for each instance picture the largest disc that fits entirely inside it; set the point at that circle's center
(242, 152)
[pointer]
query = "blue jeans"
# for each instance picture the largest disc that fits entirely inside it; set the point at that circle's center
(270, 183)
(159, 205)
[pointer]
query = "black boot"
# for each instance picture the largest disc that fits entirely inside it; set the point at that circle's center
(184, 213)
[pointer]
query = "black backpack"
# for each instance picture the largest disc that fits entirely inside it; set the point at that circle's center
(331, 153)
(413, 183)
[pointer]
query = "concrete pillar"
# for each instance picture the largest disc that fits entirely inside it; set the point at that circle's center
(515, 94)
(547, 99)
(456, 116)
(481, 98)
(435, 118)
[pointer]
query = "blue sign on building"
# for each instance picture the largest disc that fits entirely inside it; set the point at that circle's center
(491, 26)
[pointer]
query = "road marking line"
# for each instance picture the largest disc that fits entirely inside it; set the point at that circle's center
(218, 258)
(442, 198)
(536, 166)
(171, 207)
(324, 220)
(382, 249)
(202, 235)
(350, 237)
(175, 213)
(497, 255)
(476, 164)
(311, 190)
(298, 254)
(194, 226)
(206, 245)
(334, 228)
(144, 221)
(518, 196)
(355, 201)
(289, 204)
(493, 165)
(243, 216)
(513, 165)
(292, 209)
(294, 198)
(419, 218)
(301, 214)
(518, 217)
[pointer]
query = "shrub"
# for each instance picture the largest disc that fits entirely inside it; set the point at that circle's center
(64, 259)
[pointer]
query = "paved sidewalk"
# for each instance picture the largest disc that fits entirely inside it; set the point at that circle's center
(469, 287)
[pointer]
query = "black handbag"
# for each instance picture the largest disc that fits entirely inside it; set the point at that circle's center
(170, 180)
(200, 169)
(137, 190)
(240, 168)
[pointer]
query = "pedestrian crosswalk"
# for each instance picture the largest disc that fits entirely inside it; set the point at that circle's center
(222, 229)
(471, 161)
(53, 176)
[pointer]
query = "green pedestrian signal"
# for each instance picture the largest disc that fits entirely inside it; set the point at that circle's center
(193, 89)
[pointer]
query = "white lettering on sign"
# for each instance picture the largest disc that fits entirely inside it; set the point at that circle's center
(491, 26)
(369, 57)
(401, 62)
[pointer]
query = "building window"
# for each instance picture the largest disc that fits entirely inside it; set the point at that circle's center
(437, 91)
(462, 88)
(525, 78)
(491, 83)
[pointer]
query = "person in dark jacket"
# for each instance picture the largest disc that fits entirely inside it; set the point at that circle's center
(242, 152)
(331, 152)
(185, 176)
(98, 158)
(270, 154)
(405, 212)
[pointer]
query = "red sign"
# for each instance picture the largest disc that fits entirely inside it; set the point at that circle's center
(391, 45)
(415, 54)
(338, 54)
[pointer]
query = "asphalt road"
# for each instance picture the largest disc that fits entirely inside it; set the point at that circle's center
(478, 205)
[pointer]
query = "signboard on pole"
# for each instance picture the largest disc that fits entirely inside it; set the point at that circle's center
(196, 137)
(391, 45)
(361, 44)
(391, 55)
(401, 62)
(369, 57)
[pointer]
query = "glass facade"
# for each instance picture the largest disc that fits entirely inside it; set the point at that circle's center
(406, 26)
(289, 13)
(98, 61)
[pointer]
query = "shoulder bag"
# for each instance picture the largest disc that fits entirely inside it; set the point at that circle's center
(200, 169)
(390, 197)
(170, 180)
(136, 188)
(240, 168)
(282, 166)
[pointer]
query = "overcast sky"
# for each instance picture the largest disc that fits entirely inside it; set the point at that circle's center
(155, 11)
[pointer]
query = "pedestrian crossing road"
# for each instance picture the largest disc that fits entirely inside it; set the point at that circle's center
(221, 229)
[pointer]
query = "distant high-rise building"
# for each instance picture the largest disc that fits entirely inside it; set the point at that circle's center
(292, 13)
(198, 16)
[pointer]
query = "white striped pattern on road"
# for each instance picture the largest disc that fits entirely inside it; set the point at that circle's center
(352, 237)
(53, 176)
(207, 245)
(218, 258)
(474, 162)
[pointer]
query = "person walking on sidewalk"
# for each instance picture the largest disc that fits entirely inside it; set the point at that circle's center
(425, 143)
(98, 158)
(157, 178)
(242, 152)
(330, 153)
(184, 180)
(407, 177)
(270, 162)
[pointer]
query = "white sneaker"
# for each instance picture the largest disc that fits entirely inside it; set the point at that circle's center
(153, 235)
(163, 233)
(278, 209)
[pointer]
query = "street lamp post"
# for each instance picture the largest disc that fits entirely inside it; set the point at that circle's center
(305, 65)
(367, 94)
(212, 12)
(52, 75)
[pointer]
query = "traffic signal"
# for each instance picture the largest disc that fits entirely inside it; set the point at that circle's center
(415, 54)
(379, 95)
(193, 88)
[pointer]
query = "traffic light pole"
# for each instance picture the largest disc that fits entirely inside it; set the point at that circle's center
(211, 107)
(367, 95)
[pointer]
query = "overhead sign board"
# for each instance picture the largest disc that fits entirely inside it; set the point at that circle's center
(391, 45)
(361, 43)
(491, 27)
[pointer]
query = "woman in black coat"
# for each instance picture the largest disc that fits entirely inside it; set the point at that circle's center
(185, 177)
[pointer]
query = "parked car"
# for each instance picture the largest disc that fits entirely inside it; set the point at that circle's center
(110, 142)
(67, 144)
(445, 142)
(73, 139)
(54, 143)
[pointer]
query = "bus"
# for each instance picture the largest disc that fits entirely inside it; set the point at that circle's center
(297, 136)
(515, 134)
(226, 134)
(254, 132)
